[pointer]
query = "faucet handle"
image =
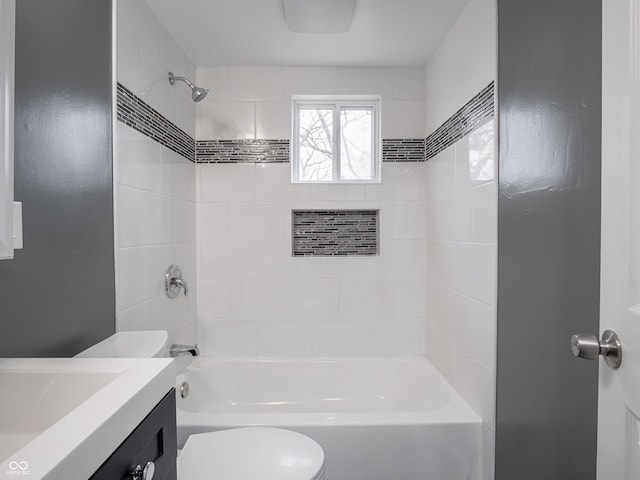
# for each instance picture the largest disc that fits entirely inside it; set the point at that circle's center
(180, 283)
(173, 282)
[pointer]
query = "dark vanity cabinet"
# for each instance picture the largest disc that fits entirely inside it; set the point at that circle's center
(153, 440)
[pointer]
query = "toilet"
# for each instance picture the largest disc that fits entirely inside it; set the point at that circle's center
(251, 453)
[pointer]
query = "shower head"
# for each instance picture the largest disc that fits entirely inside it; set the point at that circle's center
(197, 93)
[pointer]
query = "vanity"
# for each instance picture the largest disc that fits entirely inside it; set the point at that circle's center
(87, 418)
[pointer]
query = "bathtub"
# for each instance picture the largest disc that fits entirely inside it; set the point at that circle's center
(375, 418)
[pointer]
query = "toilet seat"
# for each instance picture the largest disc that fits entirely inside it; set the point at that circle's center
(251, 454)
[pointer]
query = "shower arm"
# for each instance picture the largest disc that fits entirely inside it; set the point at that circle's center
(197, 93)
(173, 78)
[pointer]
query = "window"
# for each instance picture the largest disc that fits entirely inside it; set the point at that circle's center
(336, 139)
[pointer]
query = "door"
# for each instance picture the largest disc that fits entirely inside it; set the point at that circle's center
(619, 389)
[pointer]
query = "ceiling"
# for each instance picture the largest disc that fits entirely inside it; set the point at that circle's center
(254, 32)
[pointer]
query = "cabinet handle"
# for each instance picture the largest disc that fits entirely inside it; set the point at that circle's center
(145, 473)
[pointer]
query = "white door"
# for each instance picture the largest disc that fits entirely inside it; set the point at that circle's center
(619, 390)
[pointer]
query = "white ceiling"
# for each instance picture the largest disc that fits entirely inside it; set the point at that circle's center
(254, 32)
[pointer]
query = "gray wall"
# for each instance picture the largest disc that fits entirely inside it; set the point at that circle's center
(549, 96)
(58, 295)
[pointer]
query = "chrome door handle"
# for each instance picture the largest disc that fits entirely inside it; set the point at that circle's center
(587, 346)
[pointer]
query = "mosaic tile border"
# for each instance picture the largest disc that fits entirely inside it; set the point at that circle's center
(334, 233)
(277, 151)
(473, 114)
(403, 150)
(242, 151)
(136, 113)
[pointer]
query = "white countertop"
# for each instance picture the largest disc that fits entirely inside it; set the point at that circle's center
(61, 418)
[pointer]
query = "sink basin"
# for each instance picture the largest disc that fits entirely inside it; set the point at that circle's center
(33, 401)
(62, 418)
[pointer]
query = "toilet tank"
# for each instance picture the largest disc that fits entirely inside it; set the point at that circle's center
(144, 344)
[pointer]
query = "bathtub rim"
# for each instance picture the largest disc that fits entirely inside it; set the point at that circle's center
(455, 412)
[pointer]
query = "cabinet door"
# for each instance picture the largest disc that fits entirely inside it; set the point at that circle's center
(154, 440)
(7, 56)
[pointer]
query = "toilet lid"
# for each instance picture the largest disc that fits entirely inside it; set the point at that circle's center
(250, 454)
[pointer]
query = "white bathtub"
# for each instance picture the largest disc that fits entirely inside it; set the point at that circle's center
(376, 418)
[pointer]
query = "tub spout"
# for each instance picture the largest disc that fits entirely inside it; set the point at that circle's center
(178, 350)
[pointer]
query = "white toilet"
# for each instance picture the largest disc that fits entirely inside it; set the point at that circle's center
(238, 454)
(251, 454)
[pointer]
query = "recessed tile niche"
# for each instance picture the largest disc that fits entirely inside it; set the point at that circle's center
(333, 233)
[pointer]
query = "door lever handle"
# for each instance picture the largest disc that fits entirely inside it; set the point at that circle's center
(584, 345)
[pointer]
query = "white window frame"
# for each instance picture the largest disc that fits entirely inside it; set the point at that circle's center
(337, 102)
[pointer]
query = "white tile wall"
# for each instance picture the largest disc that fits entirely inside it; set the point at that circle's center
(310, 81)
(255, 299)
(403, 119)
(155, 221)
(255, 221)
(273, 184)
(463, 64)
(225, 119)
(462, 221)
(461, 279)
(156, 190)
(254, 102)
(272, 119)
(146, 54)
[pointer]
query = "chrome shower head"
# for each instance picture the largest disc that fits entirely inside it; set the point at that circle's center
(197, 93)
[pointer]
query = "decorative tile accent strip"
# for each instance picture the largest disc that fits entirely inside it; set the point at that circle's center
(403, 150)
(242, 151)
(136, 113)
(473, 114)
(332, 233)
(277, 151)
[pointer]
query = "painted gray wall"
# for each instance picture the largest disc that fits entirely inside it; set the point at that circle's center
(58, 295)
(549, 93)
